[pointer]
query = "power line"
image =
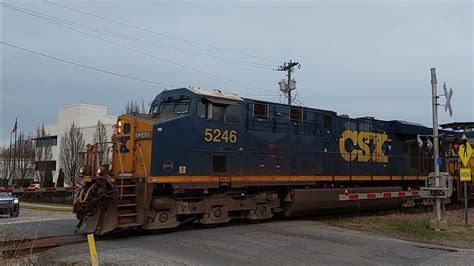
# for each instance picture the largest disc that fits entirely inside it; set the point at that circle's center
(138, 51)
(118, 74)
(85, 66)
(159, 33)
(297, 101)
(142, 41)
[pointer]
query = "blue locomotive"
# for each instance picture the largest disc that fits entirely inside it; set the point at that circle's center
(208, 157)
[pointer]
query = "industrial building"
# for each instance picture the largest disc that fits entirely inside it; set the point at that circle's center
(84, 116)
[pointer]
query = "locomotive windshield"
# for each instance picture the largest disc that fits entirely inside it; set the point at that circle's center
(172, 106)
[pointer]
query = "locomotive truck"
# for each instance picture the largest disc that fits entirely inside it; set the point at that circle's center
(209, 157)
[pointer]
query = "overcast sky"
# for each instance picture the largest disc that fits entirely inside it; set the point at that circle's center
(358, 58)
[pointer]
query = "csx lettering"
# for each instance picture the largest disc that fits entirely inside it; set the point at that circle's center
(362, 151)
(218, 135)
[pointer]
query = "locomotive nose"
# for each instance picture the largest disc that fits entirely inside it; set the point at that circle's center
(109, 200)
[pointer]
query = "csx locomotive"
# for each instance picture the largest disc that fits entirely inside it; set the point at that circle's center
(208, 157)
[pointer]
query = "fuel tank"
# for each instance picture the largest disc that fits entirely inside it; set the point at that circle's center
(303, 202)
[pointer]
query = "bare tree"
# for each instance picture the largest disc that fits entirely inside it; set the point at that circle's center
(71, 153)
(144, 111)
(25, 161)
(132, 107)
(99, 138)
(43, 153)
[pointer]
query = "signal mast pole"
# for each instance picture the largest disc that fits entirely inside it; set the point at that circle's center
(288, 66)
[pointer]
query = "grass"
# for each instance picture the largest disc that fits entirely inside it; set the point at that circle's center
(419, 228)
(413, 227)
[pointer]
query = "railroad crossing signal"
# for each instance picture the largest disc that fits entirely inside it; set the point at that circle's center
(465, 152)
(448, 95)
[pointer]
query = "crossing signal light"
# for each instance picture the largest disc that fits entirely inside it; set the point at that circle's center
(456, 147)
(457, 143)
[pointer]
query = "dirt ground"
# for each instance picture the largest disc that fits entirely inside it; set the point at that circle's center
(413, 227)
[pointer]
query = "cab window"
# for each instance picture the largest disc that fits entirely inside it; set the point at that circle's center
(174, 107)
(224, 113)
(232, 114)
(218, 113)
(171, 105)
(201, 109)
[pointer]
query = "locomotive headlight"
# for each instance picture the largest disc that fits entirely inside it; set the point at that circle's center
(15, 201)
(100, 170)
(119, 126)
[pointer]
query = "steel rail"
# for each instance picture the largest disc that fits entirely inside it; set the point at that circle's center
(27, 245)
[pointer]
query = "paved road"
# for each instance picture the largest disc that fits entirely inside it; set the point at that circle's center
(36, 223)
(278, 242)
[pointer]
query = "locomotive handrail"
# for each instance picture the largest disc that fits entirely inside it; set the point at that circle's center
(397, 156)
(146, 172)
(143, 159)
(286, 120)
(121, 168)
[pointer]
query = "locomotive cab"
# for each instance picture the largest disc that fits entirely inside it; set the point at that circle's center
(147, 149)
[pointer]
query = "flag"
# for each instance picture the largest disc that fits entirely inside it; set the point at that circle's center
(15, 127)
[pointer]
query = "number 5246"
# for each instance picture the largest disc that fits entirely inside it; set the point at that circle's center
(218, 135)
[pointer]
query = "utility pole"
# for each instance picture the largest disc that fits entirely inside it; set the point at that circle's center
(434, 91)
(287, 88)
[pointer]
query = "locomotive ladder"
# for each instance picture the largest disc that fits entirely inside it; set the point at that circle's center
(127, 193)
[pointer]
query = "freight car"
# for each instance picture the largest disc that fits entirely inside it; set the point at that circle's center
(208, 157)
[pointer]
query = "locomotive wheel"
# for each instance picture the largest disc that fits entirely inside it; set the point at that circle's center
(253, 220)
(216, 216)
(163, 217)
(263, 211)
(208, 225)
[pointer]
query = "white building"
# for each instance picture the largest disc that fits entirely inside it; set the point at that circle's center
(84, 116)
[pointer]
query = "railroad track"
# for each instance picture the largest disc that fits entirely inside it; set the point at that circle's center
(14, 248)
